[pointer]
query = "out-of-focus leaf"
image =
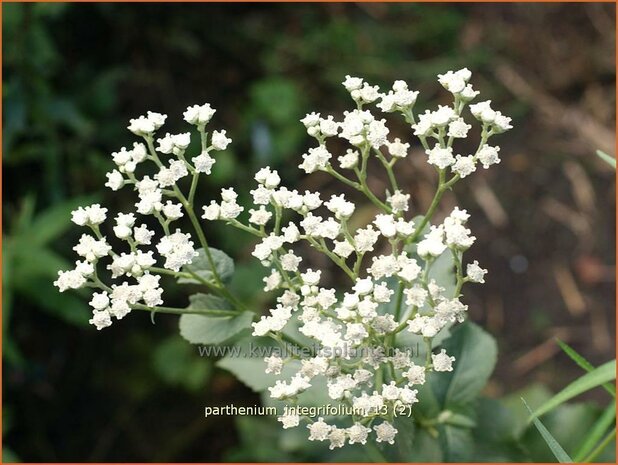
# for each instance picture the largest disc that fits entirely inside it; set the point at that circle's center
(52, 222)
(260, 438)
(66, 306)
(34, 262)
(177, 363)
(8, 456)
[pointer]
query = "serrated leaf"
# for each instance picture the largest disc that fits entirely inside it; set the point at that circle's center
(207, 330)
(597, 377)
(551, 442)
(475, 353)
(200, 266)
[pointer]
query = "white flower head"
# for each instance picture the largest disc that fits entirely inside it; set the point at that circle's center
(199, 115)
(219, 140)
(475, 273)
(442, 361)
(385, 432)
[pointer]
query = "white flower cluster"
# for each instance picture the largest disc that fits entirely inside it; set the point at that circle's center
(158, 196)
(354, 333)
(388, 258)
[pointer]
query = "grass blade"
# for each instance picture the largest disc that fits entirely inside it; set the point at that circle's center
(607, 158)
(596, 377)
(601, 447)
(551, 442)
(585, 364)
(596, 433)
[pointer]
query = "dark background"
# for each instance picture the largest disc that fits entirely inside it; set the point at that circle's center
(75, 73)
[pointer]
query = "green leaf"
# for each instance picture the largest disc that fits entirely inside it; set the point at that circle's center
(178, 364)
(249, 371)
(597, 377)
(8, 456)
(535, 393)
(475, 352)
(52, 222)
(556, 448)
(597, 432)
(611, 161)
(495, 421)
(199, 329)
(460, 420)
(65, 306)
(404, 449)
(585, 364)
(260, 441)
(496, 433)
(406, 433)
(426, 448)
(200, 266)
(457, 443)
(246, 362)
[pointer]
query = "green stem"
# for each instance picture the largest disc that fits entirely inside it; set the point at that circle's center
(342, 178)
(183, 311)
(389, 170)
(428, 355)
(398, 302)
(432, 208)
(457, 256)
(358, 263)
(246, 228)
(290, 340)
(193, 188)
(321, 246)
(198, 230)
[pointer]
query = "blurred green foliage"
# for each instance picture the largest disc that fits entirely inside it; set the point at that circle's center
(73, 76)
